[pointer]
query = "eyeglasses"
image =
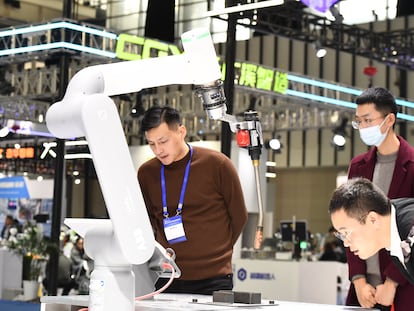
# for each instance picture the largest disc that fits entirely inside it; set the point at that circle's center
(357, 124)
(345, 235)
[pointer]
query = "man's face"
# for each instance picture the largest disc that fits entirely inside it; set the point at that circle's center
(366, 116)
(167, 144)
(361, 238)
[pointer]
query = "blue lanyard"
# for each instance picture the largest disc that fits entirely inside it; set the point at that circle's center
(183, 187)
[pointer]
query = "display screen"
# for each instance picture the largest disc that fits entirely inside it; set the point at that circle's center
(286, 229)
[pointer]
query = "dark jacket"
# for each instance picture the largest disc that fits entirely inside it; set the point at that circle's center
(402, 185)
(405, 224)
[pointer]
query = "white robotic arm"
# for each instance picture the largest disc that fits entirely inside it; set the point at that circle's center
(87, 111)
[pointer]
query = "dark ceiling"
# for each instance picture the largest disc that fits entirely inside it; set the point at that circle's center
(293, 21)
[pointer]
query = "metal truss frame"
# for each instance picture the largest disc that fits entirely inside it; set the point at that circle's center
(19, 44)
(292, 20)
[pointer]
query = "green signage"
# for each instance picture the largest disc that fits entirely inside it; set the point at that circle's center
(250, 75)
(131, 47)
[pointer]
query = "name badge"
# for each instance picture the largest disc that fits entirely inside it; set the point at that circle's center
(174, 229)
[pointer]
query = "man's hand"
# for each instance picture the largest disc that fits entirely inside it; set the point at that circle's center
(385, 292)
(365, 293)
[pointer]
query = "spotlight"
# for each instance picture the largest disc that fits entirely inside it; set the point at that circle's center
(274, 144)
(339, 134)
(4, 131)
(320, 50)
(137, 111)
(339, 140)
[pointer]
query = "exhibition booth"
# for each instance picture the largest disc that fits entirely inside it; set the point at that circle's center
(324, 282)
(25, 200)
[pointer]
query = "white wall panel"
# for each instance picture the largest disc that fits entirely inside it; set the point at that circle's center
(312, 148)
(380, 78)
(296, 149)
(344, 156)
(254, 50)
(313, 62)
(281, 158)
(329, 64)
(283, 53)
(394, 81)
(298, 56)
(361, 80)
(345, 68)
(327, 151)
(241, 50)
(269, 51)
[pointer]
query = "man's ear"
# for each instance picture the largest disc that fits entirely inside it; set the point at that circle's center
(373, 219)
(391, 120)
(183, 130)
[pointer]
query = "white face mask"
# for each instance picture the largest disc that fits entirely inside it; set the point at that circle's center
(372, 135)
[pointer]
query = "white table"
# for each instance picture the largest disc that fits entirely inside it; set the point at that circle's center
(166, 302)
(11, 269)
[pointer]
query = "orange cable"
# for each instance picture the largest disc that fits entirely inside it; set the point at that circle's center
(165, 265)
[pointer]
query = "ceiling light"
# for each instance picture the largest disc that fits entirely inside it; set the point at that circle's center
(270, 175)
(339, 134)
(320, 50)
(339, 140)
(274, 144)
(4, 131)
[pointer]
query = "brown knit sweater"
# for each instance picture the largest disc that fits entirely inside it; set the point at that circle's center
(214, 211)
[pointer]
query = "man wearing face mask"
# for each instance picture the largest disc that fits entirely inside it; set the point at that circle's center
(390, 165)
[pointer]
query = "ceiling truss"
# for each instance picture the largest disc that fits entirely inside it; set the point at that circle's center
(293, 21)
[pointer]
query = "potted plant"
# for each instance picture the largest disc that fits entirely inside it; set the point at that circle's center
(34, 249)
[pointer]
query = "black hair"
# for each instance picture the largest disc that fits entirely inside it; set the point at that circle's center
(358, 197)
(383, 100)
(156, 115)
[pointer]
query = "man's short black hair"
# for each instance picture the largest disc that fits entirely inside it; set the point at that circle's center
(359, 196)
(156, 115)
(382, 98)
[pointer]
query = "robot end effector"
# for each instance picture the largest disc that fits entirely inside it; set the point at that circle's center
(248, 132)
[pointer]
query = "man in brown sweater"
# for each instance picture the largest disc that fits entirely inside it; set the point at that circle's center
(195, 203)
